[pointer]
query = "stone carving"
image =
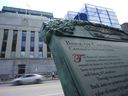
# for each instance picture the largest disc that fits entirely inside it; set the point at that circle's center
(66, 27)
(57, 27)
(25, 22)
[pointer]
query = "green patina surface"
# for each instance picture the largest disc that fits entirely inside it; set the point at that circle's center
(63, 38)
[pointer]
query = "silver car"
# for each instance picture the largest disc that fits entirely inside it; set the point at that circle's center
(28, 79)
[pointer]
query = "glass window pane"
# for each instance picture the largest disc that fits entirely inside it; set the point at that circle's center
(91, 9)
(90, 6)
(2, 55)
(31, 54)
(111, 13)
(23, 44)
(23, 33)
(93, 14)
(32, 34)
(13, 55)
(22, 48)
(93, 18)
(40, 44)
(32, 38)
(31, 49)
(22, 54)
(115, 21)
(5, 34)
(104, 20)
(113, 17)
(101, 11)
(40, 54)
(104, 15)
(40, 37)
(31, 44)
(40, 49)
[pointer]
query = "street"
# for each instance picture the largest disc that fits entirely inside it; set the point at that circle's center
(47, 88)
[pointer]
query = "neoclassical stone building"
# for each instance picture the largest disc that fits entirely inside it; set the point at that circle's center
(22, 49)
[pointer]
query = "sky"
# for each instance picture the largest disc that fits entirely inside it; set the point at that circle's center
(59, 8)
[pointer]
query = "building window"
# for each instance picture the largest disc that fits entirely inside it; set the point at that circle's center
(23, 43)
(4, 43)
(22, 54)
(14, 41)
(40, 54)
(2, 55)
(40, 42)
(31, 55)
(32, 41)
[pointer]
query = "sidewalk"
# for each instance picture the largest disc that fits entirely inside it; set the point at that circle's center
(4, 82)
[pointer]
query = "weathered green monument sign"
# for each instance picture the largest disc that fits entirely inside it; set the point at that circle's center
(91, 59)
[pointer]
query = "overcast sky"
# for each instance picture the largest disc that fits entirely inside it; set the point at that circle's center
(60, 7)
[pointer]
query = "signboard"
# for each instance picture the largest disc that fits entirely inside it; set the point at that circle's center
(91, 66)
(100, 67)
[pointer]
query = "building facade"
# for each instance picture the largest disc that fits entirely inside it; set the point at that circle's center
(95, 14)
(124, 27)
(22, 49)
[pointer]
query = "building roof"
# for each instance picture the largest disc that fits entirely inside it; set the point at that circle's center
(26, 11)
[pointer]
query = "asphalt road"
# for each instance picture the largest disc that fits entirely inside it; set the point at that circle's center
(47, 88)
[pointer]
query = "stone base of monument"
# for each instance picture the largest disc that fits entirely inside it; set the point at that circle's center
(91, 59)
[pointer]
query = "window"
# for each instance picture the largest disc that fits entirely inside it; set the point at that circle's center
(4, 43)
(22, 54)
(111, 13)
(32, 41)
(114, 21)
(23, 42)
(93, 14)
(40, 42)
(2, 55)
(104, 15)
(93, 18)
(102, 11)
(14, 41)
(105, 20)
(40, 37)
(91, 9)
(31, 54)
(113, 17)
(32, 49)
(5, 34)
(40, 54)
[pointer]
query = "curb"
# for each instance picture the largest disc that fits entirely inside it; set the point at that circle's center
(8, 82)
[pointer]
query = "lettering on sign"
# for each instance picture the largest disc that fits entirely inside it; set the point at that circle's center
(103, 71)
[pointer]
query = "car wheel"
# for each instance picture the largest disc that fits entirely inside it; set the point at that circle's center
(17, 83)
(38, 81)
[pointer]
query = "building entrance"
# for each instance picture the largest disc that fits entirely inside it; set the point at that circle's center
(21, 69)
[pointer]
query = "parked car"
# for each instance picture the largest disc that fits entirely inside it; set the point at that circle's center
(28, 79)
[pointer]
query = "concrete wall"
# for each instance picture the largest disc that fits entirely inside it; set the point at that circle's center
(9, 67)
